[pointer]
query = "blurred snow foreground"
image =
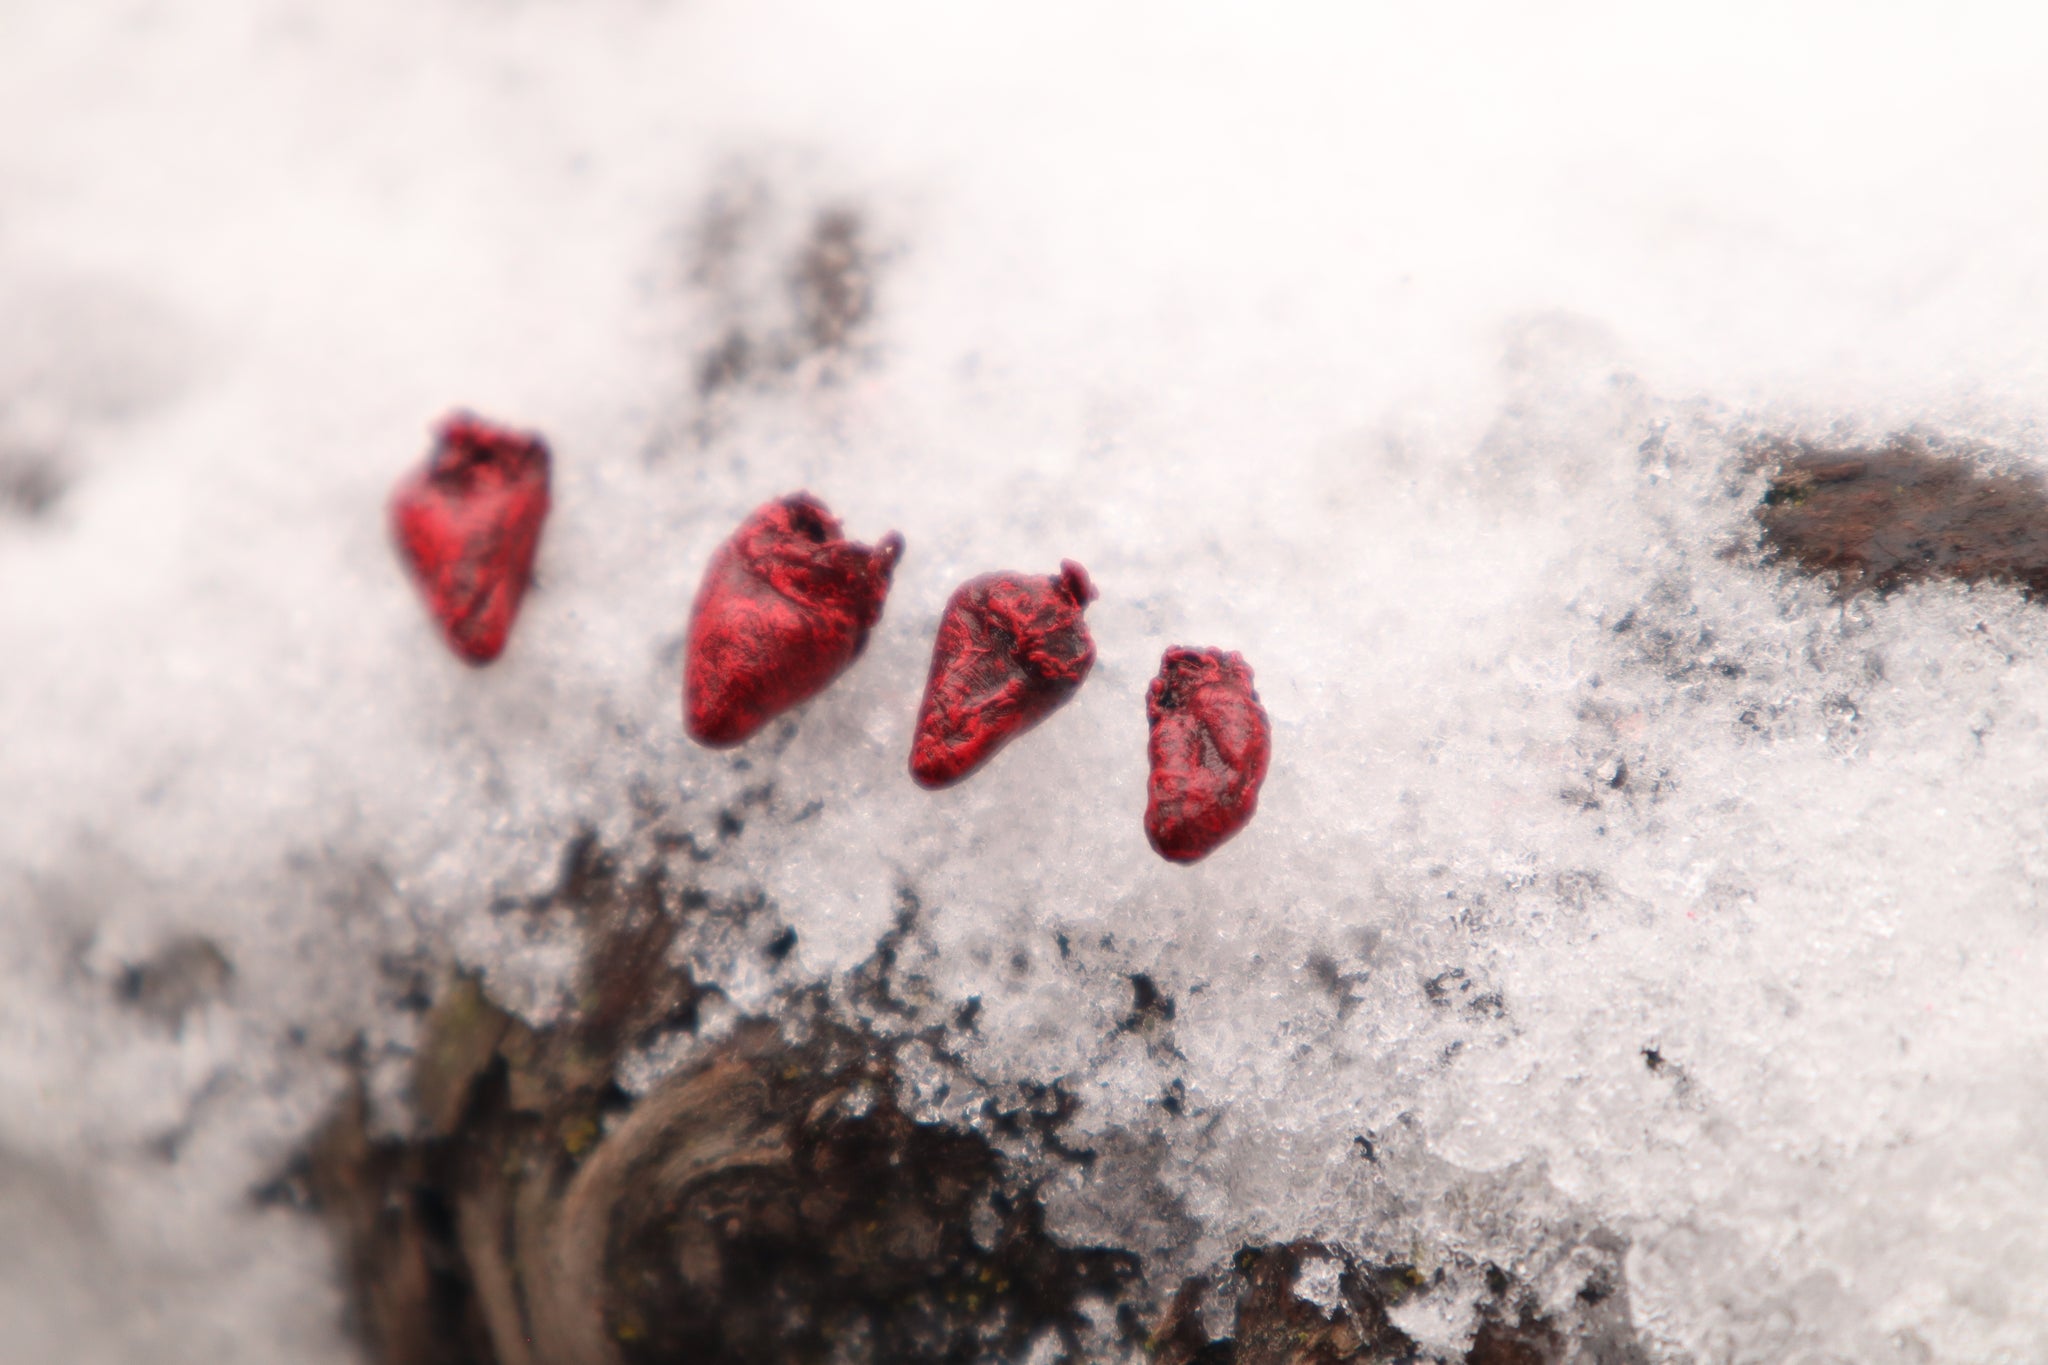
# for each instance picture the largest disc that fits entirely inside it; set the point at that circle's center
(1636, 953)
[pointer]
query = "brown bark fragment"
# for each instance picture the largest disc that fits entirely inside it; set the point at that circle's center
(1878, 519)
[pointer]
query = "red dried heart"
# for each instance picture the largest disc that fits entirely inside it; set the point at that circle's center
(1011, 649)
(468, 524)
(1210, 745)
(786, 604)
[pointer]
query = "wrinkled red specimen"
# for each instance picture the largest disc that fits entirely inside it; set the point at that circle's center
(468, 524)
(1011, 649)
(1210, 745)
(785, 606)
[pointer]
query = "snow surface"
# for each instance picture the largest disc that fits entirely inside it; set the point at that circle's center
(1410, 353)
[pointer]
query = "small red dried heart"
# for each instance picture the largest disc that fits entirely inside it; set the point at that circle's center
(468, 524)
(1210, 745)
(786, 604)
(1011, 649)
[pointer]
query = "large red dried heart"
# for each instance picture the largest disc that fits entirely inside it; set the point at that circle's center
(468, 524)
(786, 604)
(1011, 649)
(1210, 745)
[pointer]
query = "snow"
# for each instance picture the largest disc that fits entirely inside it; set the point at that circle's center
(1412, 355)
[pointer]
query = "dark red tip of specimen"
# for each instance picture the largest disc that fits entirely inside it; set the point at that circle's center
(785, 606)
(1011, 649)
(1210, 745)
(468, 524)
